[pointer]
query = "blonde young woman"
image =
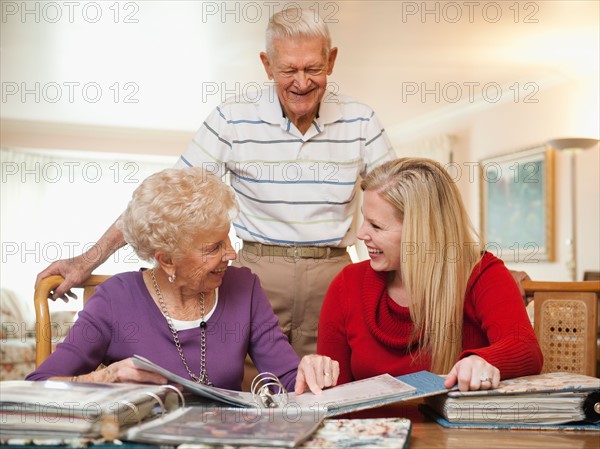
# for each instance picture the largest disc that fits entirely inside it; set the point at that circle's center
(428, 298)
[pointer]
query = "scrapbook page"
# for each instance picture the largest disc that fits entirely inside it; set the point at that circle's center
(358, 395)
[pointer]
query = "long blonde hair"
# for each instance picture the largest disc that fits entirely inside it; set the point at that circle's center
(438, 251)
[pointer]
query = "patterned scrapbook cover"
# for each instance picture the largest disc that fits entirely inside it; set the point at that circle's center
(539, 383)
(362, 433)
(580, 425)
(544, 401)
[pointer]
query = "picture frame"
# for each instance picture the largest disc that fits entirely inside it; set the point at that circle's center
(517, 205)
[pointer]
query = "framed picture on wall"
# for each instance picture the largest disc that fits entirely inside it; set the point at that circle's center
(517, 205)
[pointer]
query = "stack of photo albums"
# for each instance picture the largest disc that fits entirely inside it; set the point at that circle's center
(268, 416)
(545, 401)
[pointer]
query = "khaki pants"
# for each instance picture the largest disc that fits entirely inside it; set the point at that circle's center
(296, 289)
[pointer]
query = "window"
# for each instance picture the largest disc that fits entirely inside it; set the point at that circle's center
(56, 204)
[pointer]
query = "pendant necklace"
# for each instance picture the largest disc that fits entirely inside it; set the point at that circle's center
(203, 377)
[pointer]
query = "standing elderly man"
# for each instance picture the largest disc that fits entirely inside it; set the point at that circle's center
(295, 156)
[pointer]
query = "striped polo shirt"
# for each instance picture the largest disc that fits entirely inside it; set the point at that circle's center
(293, 189)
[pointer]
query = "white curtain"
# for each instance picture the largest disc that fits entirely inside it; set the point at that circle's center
(55, 204)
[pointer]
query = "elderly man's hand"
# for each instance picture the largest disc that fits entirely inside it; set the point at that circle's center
(74, 270)
(316, 372)
(78, 269)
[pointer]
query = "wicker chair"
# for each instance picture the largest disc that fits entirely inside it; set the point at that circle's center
(566, 324)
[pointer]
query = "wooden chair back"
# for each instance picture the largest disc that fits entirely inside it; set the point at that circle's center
(591, 275)
(566, 324)
(43, 326)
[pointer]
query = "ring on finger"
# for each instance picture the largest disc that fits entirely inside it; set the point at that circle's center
(484, 378)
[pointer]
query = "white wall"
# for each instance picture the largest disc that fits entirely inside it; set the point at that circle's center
(562, 108)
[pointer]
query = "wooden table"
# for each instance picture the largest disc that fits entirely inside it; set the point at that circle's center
(430, 435)
(427, 434)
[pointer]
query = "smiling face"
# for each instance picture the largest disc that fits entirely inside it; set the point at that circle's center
(299, 67)
(381, 231)
(201, 267)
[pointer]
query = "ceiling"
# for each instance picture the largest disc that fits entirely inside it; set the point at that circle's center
(164, 65)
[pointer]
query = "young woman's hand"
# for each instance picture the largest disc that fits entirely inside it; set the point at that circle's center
(473, 373)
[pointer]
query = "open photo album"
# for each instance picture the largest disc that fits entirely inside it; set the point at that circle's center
(357, 395)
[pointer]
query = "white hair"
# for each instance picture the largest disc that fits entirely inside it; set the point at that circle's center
(170, 207)
(294, 22)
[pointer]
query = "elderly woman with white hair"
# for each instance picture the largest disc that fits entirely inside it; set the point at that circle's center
(191, 313)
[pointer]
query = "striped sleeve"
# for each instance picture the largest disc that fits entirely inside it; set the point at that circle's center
(378, 148)
(211, 146)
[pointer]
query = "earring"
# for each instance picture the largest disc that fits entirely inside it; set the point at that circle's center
(171, 278)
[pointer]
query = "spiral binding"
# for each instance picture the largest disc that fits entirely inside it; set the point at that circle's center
(169, 406)
(110, 426)
(268, 390)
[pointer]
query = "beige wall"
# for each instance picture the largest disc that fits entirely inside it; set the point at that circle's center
(63, 136)
(564, 108)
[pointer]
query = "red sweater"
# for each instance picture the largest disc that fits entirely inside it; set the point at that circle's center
(368, 333)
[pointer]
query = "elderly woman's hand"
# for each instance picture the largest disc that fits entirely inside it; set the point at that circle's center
(122, 371)
(473, 373)
(316, 372)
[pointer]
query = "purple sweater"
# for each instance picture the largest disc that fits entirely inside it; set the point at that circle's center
(121, 319)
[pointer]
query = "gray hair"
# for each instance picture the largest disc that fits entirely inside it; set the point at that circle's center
(170, 207)
(293, 23)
